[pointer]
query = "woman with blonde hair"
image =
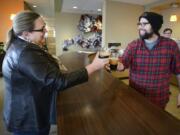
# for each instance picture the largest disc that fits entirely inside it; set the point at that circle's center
(31, 76)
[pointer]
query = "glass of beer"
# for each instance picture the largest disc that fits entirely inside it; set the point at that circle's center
(104, 53)
(113, 61)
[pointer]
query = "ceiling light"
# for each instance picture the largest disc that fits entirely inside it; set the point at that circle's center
(99, 10)
(173, 18)
(34, 6)
(75, 7)
(12, 16)
(174, 5)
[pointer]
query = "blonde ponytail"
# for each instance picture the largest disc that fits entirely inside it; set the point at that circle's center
(23, 21)
(10, 38)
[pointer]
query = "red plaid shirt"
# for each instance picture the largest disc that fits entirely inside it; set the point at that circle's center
(150, 70)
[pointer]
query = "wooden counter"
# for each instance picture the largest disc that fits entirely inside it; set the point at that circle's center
(125, 75)
(106, 106)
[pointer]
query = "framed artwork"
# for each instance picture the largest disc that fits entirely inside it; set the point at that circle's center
(91, 28)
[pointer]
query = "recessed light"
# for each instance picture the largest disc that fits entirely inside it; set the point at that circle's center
(75, 7)
(174, 5)
(34, 6)
(99, 10)
(12, 16)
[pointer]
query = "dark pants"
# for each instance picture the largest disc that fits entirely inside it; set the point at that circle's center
(41, 132)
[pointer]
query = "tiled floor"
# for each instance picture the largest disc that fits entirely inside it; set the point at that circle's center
(171, 108)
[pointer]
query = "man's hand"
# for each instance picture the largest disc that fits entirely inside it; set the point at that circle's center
(120, 66)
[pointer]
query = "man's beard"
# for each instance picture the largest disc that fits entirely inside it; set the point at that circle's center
(146, 35)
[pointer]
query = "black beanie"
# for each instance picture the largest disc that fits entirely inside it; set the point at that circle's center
(156, 20)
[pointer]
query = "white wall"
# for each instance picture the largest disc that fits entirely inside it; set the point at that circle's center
(175, 26)
(66, 28)
(121, 22)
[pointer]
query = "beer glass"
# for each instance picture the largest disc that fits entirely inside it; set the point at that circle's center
(104, 53)
(113, 61)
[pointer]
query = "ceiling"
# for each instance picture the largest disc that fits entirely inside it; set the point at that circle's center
(91, 6)
(44, 7)
(83, 6)
(167, 5)
(139, 2)
(47, 7)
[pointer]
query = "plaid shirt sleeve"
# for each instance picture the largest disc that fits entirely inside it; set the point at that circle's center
(128, 55)
(175, 63)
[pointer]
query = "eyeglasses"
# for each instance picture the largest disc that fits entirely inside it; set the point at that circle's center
(142, 24)
(40, 30)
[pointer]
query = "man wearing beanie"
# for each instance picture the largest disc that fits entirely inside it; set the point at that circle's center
(151, 60)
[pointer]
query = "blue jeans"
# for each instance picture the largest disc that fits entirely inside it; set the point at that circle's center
(41, 132)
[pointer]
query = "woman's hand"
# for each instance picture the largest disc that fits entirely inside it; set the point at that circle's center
(97, 64)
